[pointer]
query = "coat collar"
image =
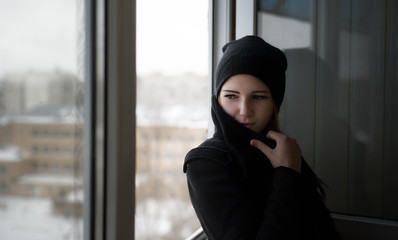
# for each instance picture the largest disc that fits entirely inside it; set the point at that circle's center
(237, 137)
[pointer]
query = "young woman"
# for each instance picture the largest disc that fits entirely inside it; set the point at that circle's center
(249, 180)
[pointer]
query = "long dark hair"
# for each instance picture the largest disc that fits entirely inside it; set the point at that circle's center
(305, 168)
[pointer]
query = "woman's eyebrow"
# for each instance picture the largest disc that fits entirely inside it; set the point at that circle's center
(231, 91)
(261, 91)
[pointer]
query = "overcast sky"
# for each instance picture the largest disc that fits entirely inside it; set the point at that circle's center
(42, 35)
(37, 35)
(172, 36)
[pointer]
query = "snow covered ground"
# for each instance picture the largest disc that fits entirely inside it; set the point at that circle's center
(31, 218)
(165, 219)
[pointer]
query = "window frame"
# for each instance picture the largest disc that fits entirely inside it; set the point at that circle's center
(110, 114)
(110, 79)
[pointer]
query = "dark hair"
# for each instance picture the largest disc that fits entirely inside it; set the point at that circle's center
(274, 122)
(305, 168)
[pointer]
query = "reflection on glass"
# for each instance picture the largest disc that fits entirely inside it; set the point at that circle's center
(172, 112)
(339, 99)
(41, 120)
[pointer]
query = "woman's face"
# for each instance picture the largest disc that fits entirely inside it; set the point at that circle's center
(248, 100)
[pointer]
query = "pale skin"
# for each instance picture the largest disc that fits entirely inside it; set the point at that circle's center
(249, 100)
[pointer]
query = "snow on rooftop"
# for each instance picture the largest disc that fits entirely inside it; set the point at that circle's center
(173, 115)
(11, 154)
(54, 113)
(75, 196)
(50, 179)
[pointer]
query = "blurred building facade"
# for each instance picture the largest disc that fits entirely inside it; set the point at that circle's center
(41, 144)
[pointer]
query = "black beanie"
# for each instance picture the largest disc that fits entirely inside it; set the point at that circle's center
(252, 55)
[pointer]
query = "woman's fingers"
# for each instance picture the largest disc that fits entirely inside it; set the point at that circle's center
(261, 146)
(276, 136)
(287, 152)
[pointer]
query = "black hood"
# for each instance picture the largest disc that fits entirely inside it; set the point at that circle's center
(237, 137)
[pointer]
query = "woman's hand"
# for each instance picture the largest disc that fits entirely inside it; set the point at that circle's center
(287, 152)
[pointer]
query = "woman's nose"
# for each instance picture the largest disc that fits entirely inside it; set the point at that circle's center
(245, 108)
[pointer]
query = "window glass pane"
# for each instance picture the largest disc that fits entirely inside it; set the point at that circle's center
(333, 86)
(289, 26)
(366, 107)
(340, 101)
(172, 112)
(41, 119)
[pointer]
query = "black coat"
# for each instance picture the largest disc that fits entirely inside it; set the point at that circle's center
(237, 194)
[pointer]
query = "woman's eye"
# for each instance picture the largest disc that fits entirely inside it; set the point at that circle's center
(260, 97)
(230, 96)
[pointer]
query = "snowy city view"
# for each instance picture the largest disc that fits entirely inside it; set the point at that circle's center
(179, 101)
(172, 118)
(41, 156)
(41, 120)
(41, 161)
(42, 123)
(172, 112)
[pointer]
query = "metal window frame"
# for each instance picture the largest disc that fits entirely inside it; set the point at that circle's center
(198, 235)
(221, 30)
(110, 99)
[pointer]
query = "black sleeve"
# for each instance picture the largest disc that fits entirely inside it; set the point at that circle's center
(225, 212)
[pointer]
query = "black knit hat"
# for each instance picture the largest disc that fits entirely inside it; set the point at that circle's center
(252, 55)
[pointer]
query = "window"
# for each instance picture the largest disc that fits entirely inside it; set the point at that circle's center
(172, 98)
(41, 75)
